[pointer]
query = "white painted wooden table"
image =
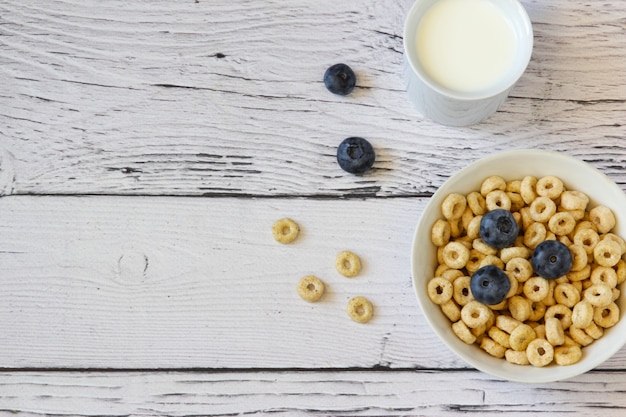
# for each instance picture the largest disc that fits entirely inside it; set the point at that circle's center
(146, 148)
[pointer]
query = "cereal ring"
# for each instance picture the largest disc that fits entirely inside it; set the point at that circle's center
(462, 293)
(574, 200)
(540, 352)
(512, 252)
(456, 227)
(507, 323)
(612, 236)
(440, 232)
(575, 276)
(579, 336)
(603, 218)
(360, 309)
(514, 186)
(475, 314)
(561, 312)
(607, 253)
(566, 294)
(451, 310)
(606, 316)
(519, 307)
(578, 215)
(515, 287)
(579, 257)
(549, 300)
(527, 189)
(562, 223)
(285, 230)
(453, 206)
(474, 261)
(451, 274)
(536, 288)
(441, 269)
(538, 310)
(520, 268)
(567, 355)
(594, 330)
(476, 203)
(491, 183)
(473, 228)
(483, 248)
(348, 264)
(554, 331)
(492, 348)
(455, 255)
(521, 337)
(516, 357)
(466, 218)
(582, 314)
(492, 260)
(439, 290)
(517, 202)
(461, 331)
(310, 288)
(541, 209)
(499, 336)
(620, 270)
(550, 187)
(526, 220)
(497, 199)
(585, 224)
(540, 330)
(587, 238)
(599, 295)
(604, 275)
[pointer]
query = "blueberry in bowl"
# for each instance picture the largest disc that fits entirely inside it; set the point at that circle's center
(498, 228)
(551, 259)
(489, 285)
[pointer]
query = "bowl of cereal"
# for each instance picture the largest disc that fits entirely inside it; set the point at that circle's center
(517, 265)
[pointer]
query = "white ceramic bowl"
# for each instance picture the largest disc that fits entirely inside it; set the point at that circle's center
(576, 175)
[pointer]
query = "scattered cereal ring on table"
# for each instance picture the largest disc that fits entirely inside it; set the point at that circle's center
(285, 230)
(347, 264)
(310, 288)
(360, 309)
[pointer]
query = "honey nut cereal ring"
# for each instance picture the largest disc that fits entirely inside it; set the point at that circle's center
(565, 240)
(491, 183)
(603, 218)
(536, 288)
(620, 270)
(512, 252)
(492, 260)
(578, 215)
(439, 290)
(347, 264)
(612, 236)
(499, 336)
(474, 261)
(516, 357)
(455, 255)
(550, 187)
(519, 307)
(517, 202)
(585, 224)
(607, 253)
(540, 352)
(360, 309)
(463, 332)
(520, 268)
(475, 314)
(514, 186)
(580, 337)
(549, 300)
(515, 286)
(310, 288)
(491, 347)
(507, 323)
(440, 232)
(497, 199)
(561, 312)
(569, 341)
(604, 275)
(527, 189)
(541, 209)
(540, 331)
(599, 295)
(562, 224)
(526, 220)
(451, 310)
(587, 238)
(453, 206)
(566, 294)
(500, 306)
(480, 245)
(466, 218)
(594, 330)
(567, 355)
(575, 276)
(606, 316)
(462, 293)
(476, 203)
(579, 257)
(521, 337)
(456, 227)
(441, 269)
(582, 314)
(451, 274)
(574, 200)
(538, 310)
(554, 331)
(285, 230)
(473, 228)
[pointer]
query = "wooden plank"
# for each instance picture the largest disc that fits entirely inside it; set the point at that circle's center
(304, 394)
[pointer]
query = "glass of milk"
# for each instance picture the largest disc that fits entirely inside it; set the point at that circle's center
(462, 57)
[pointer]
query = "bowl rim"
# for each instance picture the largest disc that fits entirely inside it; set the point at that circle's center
(615, 336)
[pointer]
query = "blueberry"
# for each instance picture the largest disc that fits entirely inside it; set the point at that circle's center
(355, 155)
(498, 228)
(490, 285)
(551, 259)
(340, 79)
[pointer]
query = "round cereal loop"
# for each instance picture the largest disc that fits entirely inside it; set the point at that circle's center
(440, 232)
(538, 310)
(492, 260)
(507, 323)
(360, 309)
(474, 261)
(285, 230)
(579, 336)
(475, 314)
(612, 236)
(599, 295)
(441, 268)
(567, 355)
(439, 290)
(536, 288)
(453, 206)
(576, 276)
(310, 288)
(451, 274)
(512, 252)
(606, 316)
(520, 268)
(550, 187)
(514, 186)
(603, 218)
(594, 330)
(579, 257)
(574, 200)
(620, 270)
(462, 293)
(587, 238)
(541, 209)
(497, 199)
(521, 337)
(455, 255)
(562, 223)
(527, 189)
(540, 330)
(604, 275)
(540, 352)
(607, 253)
(515, 286)
(519, 307)
(582, 314)
(561, 312)
(578, 215)
(517, 202)
(473, 228)
(516, 357)
(461, 331)
(491, 183)
(482, 247)
(491, 347)
(554, 331)
(348, 264)
(456, 227)
(476, 203)
(451, 310)
(526, 220)
(585, 224)
(466, 218)
(566, 294)
(499, 336)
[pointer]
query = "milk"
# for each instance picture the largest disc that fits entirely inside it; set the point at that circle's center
(466, 45)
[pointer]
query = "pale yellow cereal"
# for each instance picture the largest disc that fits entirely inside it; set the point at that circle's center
(516, 357)
(521, 336)
(550, 187)
(561, 312)
(567, 355)
(497, 199)
(492, 183)
(599, 295)
(456, 227)
(517, 202)
(620, 270)
(566, 294)
(540, 352)
(476, 203)
(587, 238)
(579, 336)
(492, 260)
(310, 288)
(554, 331)
(455, 255)
(440, 232)
(475, 259)
(540, 330)
(506, 254)
(452, 310)
(526, 220)
(519, 307)
(439, 290)
(562, 224)
(606, 316)
(541, 209)
(475, 314)
(515, 286)
(527, 189)
(579, 257)
(582, 314)
(480, 245)
(453, 206)
(520, 268)
(594, 330)
(499, 336)
(491, 347)
(462, 293)
(514, 186)
(607, 253)
(285, 230)
(536, 288)
(603, 218)
(538, 310)
(348, 264)
(612, 236)
(360, 309)
(463, 332)
(581, 275)
(473, 228)
(604, 275)
(441, 268)
(507, 323)
(451, 274)
(574, 200)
